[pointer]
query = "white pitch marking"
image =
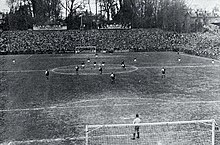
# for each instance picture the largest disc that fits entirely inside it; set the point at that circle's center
(135, 68)
(115, 105)
(83, 137)
(29, 56)
(186, 66)
(19, 71)
(46, 140)
(120, 72)
(198, 57)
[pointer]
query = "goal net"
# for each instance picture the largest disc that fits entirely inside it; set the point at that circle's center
(164, 133)
(85, 49)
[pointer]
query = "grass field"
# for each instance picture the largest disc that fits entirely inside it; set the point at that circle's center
(36, 110)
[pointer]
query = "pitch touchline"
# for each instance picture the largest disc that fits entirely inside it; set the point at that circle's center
(96, 106)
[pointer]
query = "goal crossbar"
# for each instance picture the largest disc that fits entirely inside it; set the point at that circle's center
(156, 123)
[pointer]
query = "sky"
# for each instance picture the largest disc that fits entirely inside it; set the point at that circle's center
(204, 4)
(195, 4)
(3, 6)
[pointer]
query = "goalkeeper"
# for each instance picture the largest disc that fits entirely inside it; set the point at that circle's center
(137, 120)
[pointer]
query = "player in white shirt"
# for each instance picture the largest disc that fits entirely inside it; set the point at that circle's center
(112, 77)
(123, 64)
(137, 121)
(47, 73)
(163, 70)
(77, 69)
(213, 61)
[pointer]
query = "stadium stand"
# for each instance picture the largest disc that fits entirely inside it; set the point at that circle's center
(29, 42)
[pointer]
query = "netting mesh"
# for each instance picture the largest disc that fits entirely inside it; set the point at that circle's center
(197, 133)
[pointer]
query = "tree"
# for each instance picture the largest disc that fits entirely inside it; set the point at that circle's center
(42, 11)
(20, 16)
(109, 7)
(73, 19)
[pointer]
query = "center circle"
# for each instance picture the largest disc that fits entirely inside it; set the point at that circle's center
(94, 70)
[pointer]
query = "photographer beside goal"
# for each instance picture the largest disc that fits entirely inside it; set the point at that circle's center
(137, 120)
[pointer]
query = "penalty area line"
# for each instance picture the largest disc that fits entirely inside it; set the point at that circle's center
(199, 57)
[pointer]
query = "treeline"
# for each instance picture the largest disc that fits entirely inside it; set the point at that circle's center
(165, 14)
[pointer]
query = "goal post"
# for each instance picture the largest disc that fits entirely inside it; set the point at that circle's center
(161, 133)
(85, 49)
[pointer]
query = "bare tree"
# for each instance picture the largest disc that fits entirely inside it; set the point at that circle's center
(109, 7)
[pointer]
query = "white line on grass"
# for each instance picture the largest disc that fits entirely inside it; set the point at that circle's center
(135, 68)
(29, 57)
(143, 135)
(19, 71)
(206, 58)
(97, 106)
(186, 66)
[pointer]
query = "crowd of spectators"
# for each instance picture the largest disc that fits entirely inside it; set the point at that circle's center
(20, 42)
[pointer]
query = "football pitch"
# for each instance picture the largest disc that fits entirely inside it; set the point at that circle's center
(36, 110)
